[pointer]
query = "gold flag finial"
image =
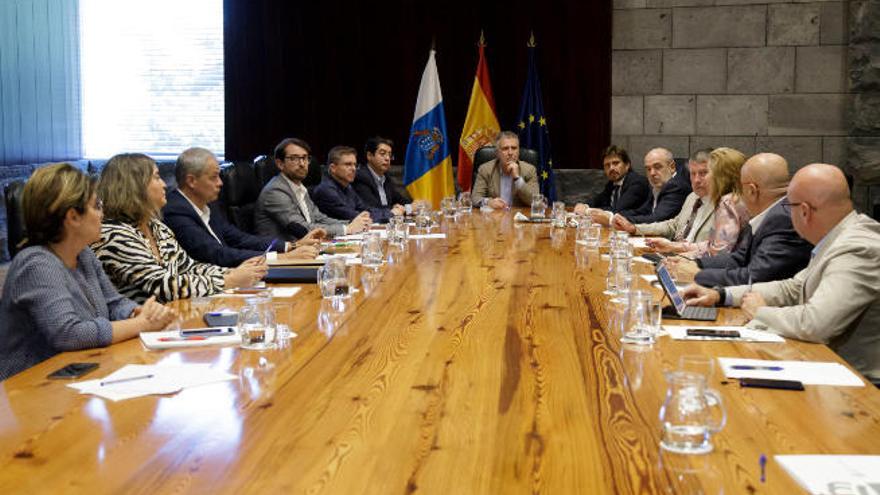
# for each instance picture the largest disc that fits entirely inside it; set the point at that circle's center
(482, 39)
(531, 43)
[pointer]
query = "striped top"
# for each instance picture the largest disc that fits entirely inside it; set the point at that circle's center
(128, 260)
(48, 308)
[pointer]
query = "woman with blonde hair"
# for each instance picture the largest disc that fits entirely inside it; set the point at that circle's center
(56, 297)
(731, 214)
(140, 253)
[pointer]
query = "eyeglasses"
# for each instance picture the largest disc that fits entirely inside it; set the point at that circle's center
(296, 158)
(787, 205)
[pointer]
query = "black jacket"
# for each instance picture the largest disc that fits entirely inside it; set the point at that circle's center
(634, 191)
(366, 187)
(234, 247)
(774, 252)
(669, 201)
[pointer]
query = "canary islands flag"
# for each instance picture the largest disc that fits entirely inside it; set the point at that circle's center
(427, 171)
(481, 124)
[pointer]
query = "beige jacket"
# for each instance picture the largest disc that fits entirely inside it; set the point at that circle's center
(488, 183)
(835, 300)
(668, 228)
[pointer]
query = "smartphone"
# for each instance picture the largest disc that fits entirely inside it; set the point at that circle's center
(705, 332)
(221, 319)
(768, 383)
(72, 370)
(652, 257)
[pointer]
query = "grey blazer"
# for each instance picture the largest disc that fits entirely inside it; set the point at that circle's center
(277, 209)
(835, 300)
(488, 183)
(668, 228)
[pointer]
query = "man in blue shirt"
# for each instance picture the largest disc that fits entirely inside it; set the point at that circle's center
(335, 197)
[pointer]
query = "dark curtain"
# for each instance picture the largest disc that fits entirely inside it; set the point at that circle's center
(338, 72)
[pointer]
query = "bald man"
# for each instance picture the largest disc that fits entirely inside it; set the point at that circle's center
(835, 300)
(669, 190)
(774, 250)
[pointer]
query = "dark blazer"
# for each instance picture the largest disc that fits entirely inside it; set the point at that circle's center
(367, 188)
(234, 247)
(634, 191)
(342, 203)
(669, 201)
(774, 252)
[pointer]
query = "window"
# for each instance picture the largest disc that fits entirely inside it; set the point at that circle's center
(151, 76)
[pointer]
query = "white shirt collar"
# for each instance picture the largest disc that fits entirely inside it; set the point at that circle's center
(203, 213)
(379, 178)
(298, 189)
(758, 219)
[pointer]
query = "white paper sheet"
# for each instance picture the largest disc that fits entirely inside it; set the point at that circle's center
(806, 372)
(679, 332)
(153, 340)
(649, 278)
(359, 237)
(276, 292)
(826, 474)
(428, 236)
(638, 242)
(160, 379)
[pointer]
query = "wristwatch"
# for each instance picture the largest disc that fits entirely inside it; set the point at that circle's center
(722, 295)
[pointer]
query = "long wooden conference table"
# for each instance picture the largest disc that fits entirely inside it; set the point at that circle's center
(479, 363)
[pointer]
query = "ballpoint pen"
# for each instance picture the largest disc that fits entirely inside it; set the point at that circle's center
(757, 367)
(762, 461)
(123, 380)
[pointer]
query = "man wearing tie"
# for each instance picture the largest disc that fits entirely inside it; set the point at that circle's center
(335, 196)
(505, 181)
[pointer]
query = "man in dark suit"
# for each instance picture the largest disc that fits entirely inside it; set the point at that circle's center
(775, 251)
(670, 188)
(334, 195)
(626, 189)
(200, 228)
(370, 182)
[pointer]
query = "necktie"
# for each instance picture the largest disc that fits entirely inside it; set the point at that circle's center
(615, 195)
(690, 223)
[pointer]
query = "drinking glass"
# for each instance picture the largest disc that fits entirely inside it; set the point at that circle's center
(256, 324)
(398, 231)
(539, 205)
(695, 363)
(371, 250)
(282, 311)
(449, 206)
(465, 205)
(558, 214)
(594, 236)
(333, 279)
(639, 327)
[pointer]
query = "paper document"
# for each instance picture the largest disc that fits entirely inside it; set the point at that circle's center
(138, 380)
(679, 332)
(649, 278)
(359, 237)
(638, 242)
(635, 259)
(428, 236)
(275, 291)
(826, 474)
(806, 372)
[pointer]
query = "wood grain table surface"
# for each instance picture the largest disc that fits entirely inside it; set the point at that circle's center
(480, 363)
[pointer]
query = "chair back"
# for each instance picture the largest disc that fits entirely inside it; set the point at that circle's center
(239, 194)
(14, 216)
(487, 153)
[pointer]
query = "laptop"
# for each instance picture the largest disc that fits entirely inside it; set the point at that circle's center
(679, 310)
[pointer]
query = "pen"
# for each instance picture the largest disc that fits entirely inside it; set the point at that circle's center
(123, 380)
(750, 367)
(271, 245)
(180, 339)
(750, 283)
(202, 331)
(762, 461)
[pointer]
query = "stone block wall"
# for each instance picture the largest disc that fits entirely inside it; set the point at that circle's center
(753, 74)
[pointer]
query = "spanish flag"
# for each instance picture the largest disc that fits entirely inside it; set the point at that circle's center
(427, 170)
(481, 124)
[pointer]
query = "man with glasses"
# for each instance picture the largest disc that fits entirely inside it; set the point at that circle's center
(835, 300)
(284, 209)
(371, 182)
(774, 250)
(626, 189)
(335, 196)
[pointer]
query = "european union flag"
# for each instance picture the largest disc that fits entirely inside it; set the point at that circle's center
(533, 132)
